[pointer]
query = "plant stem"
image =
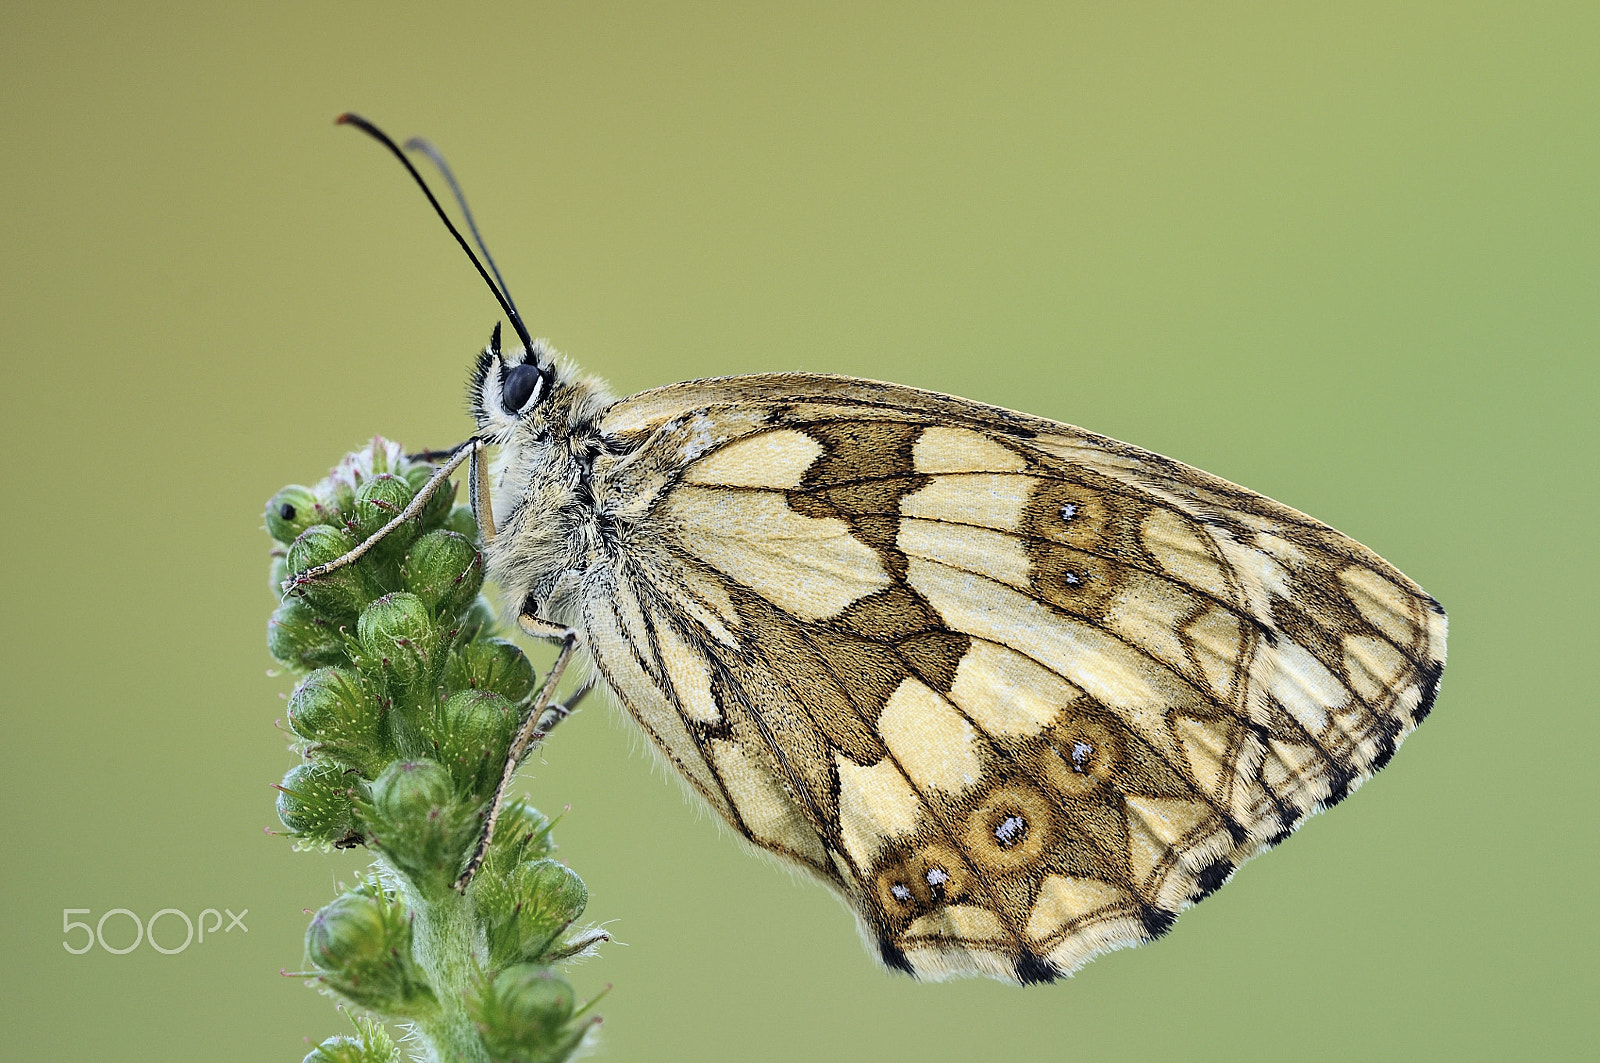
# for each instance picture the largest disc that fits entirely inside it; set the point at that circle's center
(403, 718)
(447, 945)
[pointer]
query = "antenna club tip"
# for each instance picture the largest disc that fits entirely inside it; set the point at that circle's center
(342, 119)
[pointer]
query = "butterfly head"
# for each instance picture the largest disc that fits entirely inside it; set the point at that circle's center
(539, 415)
(507, 388)
(528, 395)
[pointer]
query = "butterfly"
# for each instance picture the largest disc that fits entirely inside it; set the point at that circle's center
(1018, 692)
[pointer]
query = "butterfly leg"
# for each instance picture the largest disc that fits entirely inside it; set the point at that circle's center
(539, 724)
(541, 720)
(440, 475)
(478, 493)
(558, 712)
(430, 456)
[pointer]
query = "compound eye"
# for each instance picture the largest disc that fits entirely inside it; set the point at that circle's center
(522, 385)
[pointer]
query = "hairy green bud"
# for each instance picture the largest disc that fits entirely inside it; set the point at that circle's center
(521, 833)
(418, 473)
(462, 522)
(378, 501)
(342, 593)
(397, 632)
(316, 801)
(445, 570)
(293, 510)
(471, 735)
(343, 1049)
(361, 947)
(300, 638)
(372, 1044)
(494, 665)
(436, 511)
(337, 496)
(415, 820)
(339, 720)
(525, 1015)
(546, 898)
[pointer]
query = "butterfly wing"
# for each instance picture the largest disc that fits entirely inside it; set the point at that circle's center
(1020, 692)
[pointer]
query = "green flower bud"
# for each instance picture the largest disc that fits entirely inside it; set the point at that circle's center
(351, 932)
(371, 1044)
(361, 947)
(293, 510)
(412, 789)
(525, 1015)
(546, 898)
(494, 665)
(479, 621)
(298, 637)
(415, 820)
(316, 801)
(445, 570)
(343, 1049)
(496, 904)
(380, 500)
(337, 497)
(521, 834)
(397, 631)
(330, 710)
(342, 593)
(462, 522)
(552, 893)
(437, 509)
(470, 735)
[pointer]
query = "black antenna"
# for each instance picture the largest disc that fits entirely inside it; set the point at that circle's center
(425, 146)
(500, 295)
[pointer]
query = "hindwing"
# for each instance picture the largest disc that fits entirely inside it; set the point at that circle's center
(1019, 692)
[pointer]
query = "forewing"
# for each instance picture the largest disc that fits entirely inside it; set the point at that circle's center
(1021, 692)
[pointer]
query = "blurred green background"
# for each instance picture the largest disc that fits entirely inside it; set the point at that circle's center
(1345, 254)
